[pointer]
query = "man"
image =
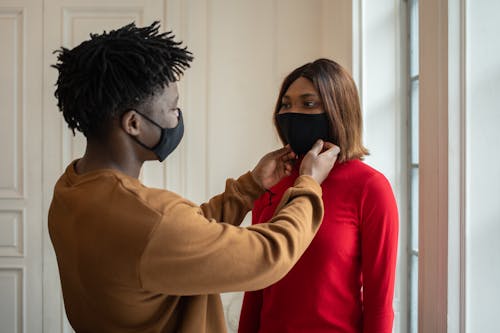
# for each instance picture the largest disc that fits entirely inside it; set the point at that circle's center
(137, 259)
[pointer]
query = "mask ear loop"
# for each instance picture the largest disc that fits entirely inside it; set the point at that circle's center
(148, 119)
(151, 121)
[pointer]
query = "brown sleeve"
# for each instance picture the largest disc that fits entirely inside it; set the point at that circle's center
(237, 200)
(189, 255)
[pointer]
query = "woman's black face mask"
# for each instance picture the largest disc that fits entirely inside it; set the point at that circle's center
(302, 130)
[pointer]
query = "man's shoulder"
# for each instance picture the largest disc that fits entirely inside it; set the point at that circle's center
(110, 187)
(160, 200)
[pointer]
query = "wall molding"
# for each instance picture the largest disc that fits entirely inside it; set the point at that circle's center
(15, 186)
(15, 247)
(18, 316)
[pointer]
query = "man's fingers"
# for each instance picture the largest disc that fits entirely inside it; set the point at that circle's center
(281, 152)
(327, 145)
(317, 147)
(332, 149)
(289, 157)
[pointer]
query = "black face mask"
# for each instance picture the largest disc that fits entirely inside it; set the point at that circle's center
(169, 139)
(302, 130)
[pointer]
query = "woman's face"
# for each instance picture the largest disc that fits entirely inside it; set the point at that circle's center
(301, 97)
(301, 119)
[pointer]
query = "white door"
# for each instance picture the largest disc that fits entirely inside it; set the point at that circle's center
(20, 166)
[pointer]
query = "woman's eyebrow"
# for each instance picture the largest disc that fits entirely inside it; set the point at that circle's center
(308, 95)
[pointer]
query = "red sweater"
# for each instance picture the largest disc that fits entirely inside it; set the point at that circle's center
(344, 282)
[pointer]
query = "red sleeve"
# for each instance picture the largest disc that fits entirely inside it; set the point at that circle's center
(250, 312)
(252, 300)
(379, 241)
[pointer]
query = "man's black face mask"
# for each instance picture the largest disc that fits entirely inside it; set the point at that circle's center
(169, 139)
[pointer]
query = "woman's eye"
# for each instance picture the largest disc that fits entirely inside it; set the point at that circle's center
(310, 104)
(285, 105)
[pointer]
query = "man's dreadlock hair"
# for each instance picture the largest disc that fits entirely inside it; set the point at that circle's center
(109, 73)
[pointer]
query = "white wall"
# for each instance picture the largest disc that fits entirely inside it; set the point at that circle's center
(243, 82)
(483, 164)
(244, 51)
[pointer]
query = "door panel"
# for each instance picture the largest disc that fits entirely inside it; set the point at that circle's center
(20, 167)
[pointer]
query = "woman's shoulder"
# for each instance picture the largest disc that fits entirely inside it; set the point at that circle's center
(355, 174)
(355, 169)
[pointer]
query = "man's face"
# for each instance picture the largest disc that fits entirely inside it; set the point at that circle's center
(163, 107)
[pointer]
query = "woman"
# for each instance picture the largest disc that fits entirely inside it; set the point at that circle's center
(344, 282)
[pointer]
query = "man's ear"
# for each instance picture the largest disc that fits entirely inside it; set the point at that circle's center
(130, 123)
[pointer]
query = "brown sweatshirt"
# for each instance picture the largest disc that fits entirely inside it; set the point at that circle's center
(138, 259)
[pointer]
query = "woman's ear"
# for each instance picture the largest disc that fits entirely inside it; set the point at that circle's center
(130, 123)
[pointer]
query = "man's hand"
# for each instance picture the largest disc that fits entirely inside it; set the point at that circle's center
(319, 161)
(273, 167)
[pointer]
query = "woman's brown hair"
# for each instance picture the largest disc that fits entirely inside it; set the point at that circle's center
(340, 100)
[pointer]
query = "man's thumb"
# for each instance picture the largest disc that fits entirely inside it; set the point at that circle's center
(333, 150)
(317, 147)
